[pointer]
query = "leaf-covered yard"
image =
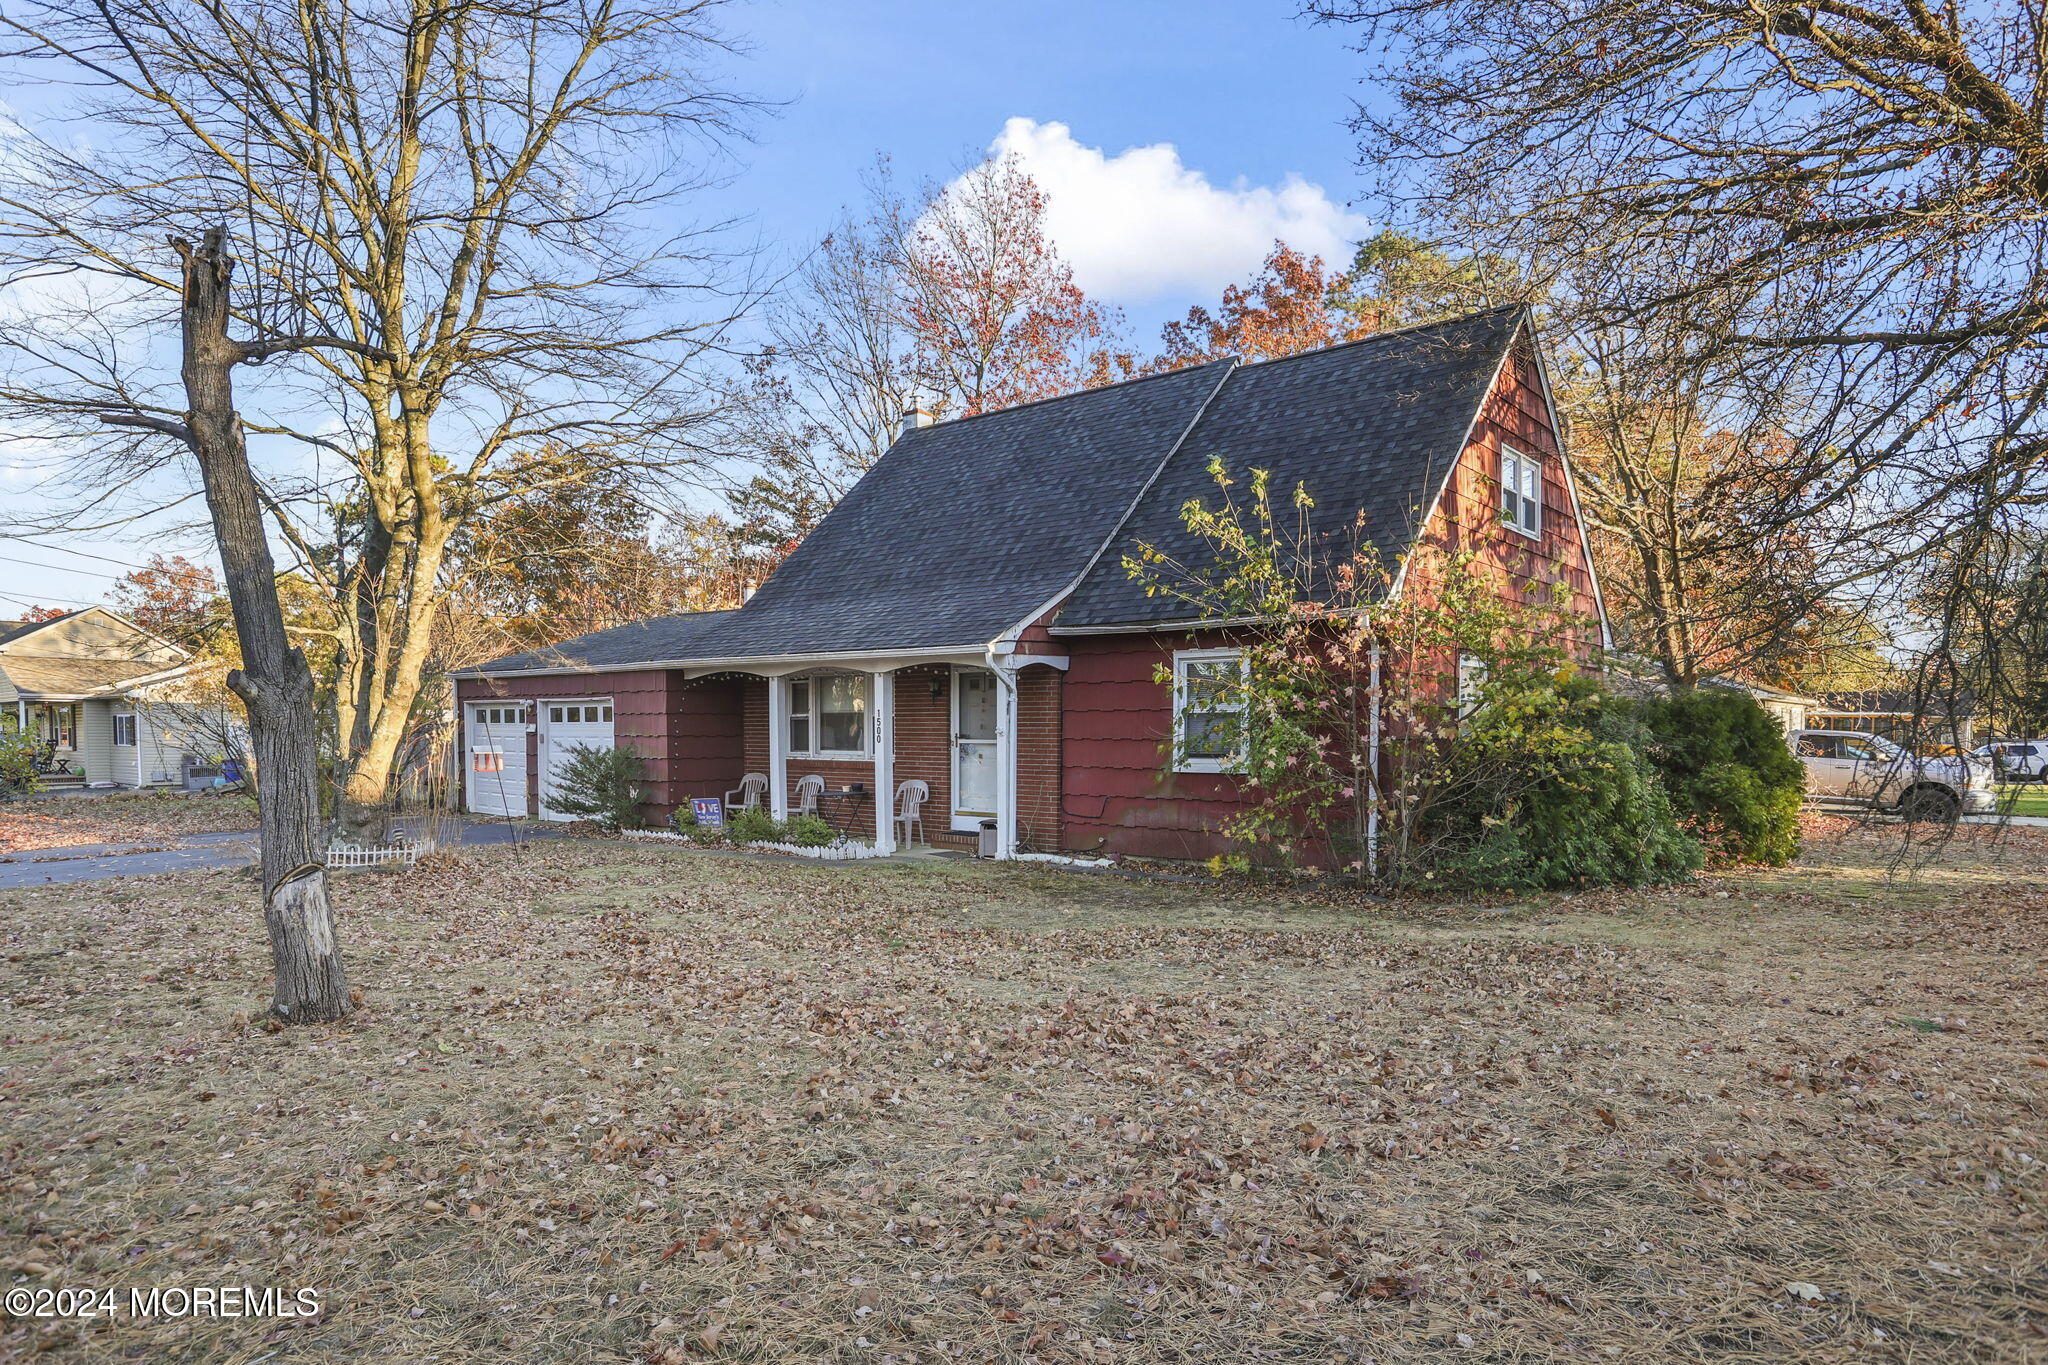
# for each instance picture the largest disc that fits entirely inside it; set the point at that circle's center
(119, 817)
(616, 1102)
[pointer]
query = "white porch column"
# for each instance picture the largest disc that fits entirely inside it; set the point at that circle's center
(778, 748)
(1006, 762)
(882, 717)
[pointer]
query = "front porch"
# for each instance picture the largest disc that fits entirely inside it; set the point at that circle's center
(984, 740)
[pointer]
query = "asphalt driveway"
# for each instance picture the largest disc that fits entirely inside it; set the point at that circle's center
(187, 853)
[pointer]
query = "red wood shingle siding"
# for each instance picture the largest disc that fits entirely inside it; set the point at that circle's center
(685, 731)
(1121, 793)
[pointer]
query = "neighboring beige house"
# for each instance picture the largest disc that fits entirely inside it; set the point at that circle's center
(102, 694)
(1792, 710)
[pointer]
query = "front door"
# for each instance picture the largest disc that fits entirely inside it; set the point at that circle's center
(974, 747)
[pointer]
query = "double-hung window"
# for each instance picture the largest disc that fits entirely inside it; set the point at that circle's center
(124, 731)
(1521, 491)
(828, 715)
(1208, 711)
(1472, 673)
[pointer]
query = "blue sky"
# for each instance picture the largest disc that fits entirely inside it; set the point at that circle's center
(1175, 139)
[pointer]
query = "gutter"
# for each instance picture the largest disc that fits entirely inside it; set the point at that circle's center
(739, 663)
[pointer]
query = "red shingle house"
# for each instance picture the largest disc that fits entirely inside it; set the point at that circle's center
(963, 616)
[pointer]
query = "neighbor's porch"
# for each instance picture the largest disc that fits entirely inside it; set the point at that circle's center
(984, 740)
(76, 734)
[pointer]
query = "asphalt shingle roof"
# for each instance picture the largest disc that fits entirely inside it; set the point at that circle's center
(659, 639)
(1372, 426)
(963, 530)
(63, 675)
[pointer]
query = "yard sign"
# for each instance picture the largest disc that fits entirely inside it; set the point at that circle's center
(709, 810)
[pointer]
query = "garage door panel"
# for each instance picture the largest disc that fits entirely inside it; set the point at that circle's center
(564, 726)
(495, 777)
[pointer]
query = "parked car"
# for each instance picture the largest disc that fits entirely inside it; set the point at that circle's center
(2017, 760)
(1846, 768)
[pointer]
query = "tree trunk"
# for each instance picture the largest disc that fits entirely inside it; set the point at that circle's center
(274, 680)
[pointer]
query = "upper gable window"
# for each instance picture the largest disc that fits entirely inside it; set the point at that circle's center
(1521, 491)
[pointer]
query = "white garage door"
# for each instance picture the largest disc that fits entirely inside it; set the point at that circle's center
(566, 725)
(497, 758)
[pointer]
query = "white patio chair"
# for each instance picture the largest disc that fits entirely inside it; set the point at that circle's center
(910, 798)
(808, 788)
(747, 796)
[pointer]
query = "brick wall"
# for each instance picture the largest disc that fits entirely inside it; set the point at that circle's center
(924, 750)
(1039, 775)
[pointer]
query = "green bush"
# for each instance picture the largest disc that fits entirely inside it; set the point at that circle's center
(753, 826)
(1548, 787)
(599, 784)
(18, 753)
(809, 831)
(1733, 780)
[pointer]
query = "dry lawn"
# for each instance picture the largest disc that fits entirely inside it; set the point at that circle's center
(612, 1102)
(119, 818)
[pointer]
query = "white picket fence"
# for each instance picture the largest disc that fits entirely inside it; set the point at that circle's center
(380, 855)
(845, 850)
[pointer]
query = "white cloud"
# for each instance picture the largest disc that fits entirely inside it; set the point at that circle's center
(1141, 225)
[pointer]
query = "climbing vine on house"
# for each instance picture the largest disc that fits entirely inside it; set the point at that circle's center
(1328, 659)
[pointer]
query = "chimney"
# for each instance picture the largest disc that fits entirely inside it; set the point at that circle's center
(914, 417)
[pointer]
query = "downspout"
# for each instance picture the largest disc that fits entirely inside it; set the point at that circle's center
(1372, 749)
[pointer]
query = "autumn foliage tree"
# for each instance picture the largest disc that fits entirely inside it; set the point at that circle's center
(1291, 305)
(173, 597)
(993, 313)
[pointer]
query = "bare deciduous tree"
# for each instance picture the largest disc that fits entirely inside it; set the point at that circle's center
(1842, 207)
(467, 193)
(273, 682)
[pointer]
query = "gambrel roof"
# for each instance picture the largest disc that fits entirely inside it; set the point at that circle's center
(965, 532)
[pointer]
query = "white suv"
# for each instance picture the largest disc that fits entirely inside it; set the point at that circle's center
(2018, 760)
(1844, 767)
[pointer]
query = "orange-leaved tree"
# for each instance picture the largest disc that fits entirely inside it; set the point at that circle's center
(1291, 305)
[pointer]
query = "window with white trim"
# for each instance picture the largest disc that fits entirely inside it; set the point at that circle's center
(581, 713)
(1208, 710)
(828, 715)
(500, 715)
(124, 731)
(1471, 685)
(1521, 491)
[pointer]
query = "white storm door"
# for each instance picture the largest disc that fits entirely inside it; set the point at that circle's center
(495, 780)
(974, 747)
(564, 726)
